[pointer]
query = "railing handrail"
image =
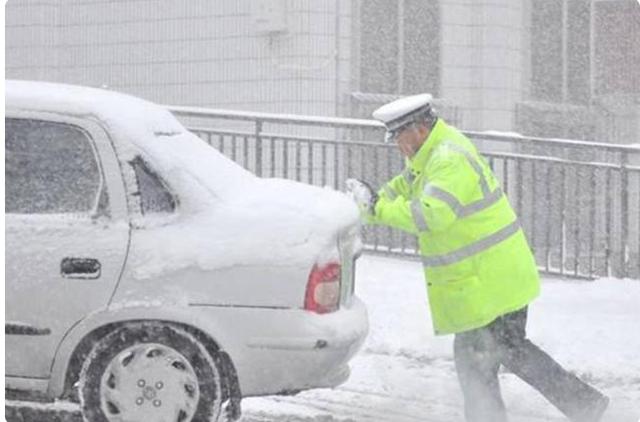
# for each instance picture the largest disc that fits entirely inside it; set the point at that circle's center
(374, 124)
(275, 117)
(560, 142)
(329, 141)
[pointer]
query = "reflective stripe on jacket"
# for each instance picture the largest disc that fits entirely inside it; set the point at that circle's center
(476, 259)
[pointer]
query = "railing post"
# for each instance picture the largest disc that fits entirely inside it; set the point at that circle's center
(608, 224)
(549, 216)
(624, 215)
(298, 162)
(336, 167)
(592, 222)
(577, 222)
(259, 148)
(323, 178)
(563, 217)
(310, 163)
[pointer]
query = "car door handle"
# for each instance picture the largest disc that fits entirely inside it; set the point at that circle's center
(87, 268)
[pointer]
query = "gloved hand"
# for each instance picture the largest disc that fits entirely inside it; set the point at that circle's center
(363, 195)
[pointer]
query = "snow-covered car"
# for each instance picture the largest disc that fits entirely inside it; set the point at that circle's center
(152, 278)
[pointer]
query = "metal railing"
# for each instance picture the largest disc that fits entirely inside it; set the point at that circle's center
(578, 202)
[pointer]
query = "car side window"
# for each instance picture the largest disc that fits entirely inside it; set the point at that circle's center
(154, 195)
(50, 168)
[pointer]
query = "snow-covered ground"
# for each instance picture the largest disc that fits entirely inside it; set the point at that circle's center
(405, 374)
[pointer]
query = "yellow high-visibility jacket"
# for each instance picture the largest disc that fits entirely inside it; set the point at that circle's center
(477, 263)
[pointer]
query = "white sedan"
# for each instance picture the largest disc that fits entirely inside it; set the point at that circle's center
(151, 278)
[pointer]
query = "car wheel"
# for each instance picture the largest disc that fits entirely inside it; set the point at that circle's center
(149, 371)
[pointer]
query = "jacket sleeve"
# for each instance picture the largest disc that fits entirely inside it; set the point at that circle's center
(451, 183)
(398, 186)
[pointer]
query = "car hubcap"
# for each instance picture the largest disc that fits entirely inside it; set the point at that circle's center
(149, 382)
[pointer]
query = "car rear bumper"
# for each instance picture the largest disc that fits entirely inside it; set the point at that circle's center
(278, 351)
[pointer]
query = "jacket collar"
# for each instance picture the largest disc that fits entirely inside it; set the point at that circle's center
(418, 162)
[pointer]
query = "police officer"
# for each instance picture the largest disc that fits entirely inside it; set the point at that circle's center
(480, 272)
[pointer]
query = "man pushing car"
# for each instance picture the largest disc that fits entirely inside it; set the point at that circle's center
(480, 272)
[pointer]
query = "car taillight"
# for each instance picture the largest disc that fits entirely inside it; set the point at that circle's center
(323, 288)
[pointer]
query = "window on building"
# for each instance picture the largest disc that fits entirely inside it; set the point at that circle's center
(578, 64)
(400, 46)
(421, 47)
(379, 46)
(50, 168)
(560, 51)
(617, 47)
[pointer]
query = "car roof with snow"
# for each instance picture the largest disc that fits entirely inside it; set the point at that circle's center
(137, 128)
(107, 106)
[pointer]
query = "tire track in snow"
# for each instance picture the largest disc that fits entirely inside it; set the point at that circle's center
(349, 406)
(347, 410)
(441, 411)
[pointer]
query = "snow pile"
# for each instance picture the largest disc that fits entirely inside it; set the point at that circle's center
(226, 215)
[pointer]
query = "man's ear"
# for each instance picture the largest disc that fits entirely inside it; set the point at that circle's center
(424, 130)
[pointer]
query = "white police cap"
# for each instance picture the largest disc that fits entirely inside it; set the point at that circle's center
(400, 112)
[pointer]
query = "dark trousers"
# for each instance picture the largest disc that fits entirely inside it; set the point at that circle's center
(479, 353)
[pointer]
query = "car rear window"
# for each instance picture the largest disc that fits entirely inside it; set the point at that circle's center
(50, 168)
(154, 195)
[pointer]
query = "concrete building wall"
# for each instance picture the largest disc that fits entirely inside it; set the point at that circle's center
(483, 65)
(289, 56)
(30, 42)
(306, 56)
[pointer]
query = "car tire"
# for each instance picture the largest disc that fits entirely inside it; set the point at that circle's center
(150, 371)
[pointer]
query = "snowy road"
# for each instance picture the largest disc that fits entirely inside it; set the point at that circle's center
(405, 374)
